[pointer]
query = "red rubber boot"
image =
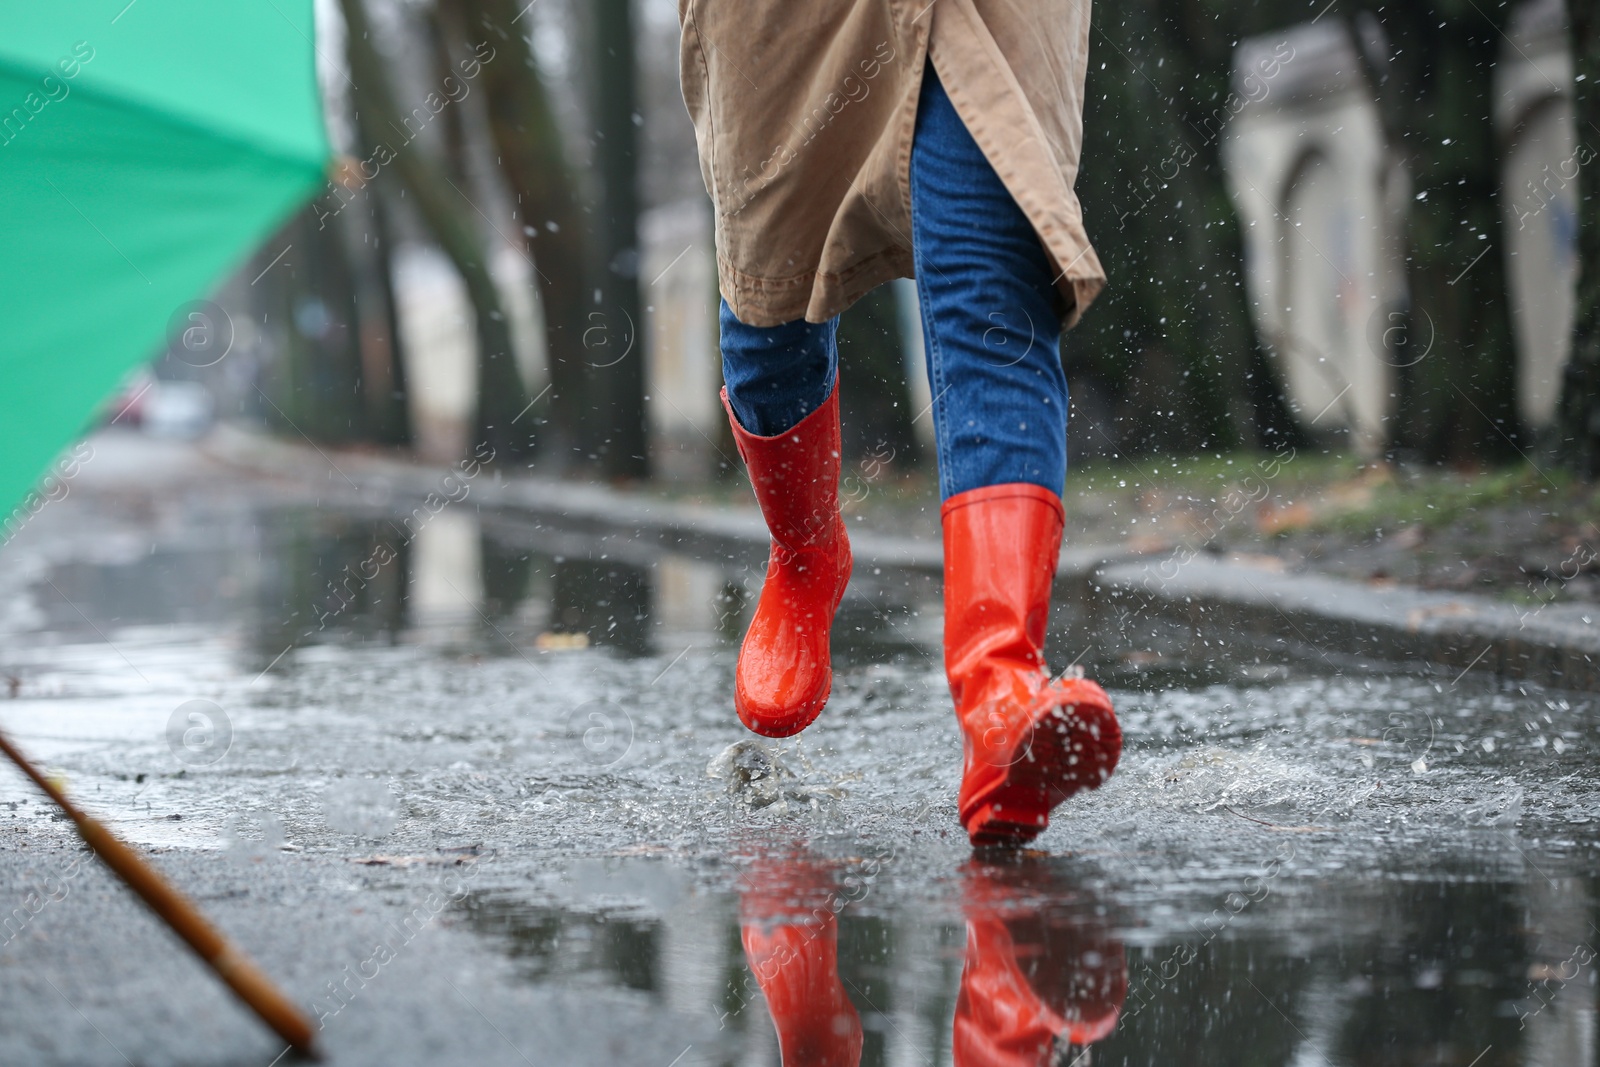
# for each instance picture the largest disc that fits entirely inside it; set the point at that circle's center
(784, 673)
(1038, 986)
(791, 942)
(1030, 743)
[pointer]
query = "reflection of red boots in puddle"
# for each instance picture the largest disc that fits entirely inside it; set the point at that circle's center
(791, 942)
(1043, 977)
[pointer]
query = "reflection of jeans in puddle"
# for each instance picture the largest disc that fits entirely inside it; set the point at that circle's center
(1043, 974)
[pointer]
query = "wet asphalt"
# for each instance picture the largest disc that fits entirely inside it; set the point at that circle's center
(473, 791)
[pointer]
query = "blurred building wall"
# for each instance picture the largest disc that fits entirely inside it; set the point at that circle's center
(436, 326)
(678, 281)
(1321, 206)
(1323, 200)
(440, 344)
(1540, 157)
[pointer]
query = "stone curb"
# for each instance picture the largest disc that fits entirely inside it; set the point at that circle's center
(693, 529)
(1553, 644)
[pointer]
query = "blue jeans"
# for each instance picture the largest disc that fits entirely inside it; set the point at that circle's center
(991, 320)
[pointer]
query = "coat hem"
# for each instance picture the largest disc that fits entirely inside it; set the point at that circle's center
(815, 296)
(1064, 239)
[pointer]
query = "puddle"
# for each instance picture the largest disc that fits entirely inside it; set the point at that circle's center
(1294, 864)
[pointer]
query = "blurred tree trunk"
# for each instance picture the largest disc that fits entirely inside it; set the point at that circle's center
(391, 406)
(454, 224)
(316, 392)
(288, 403)
(364, 238)
(446, 42)
(616, 354)
(1171, 336)
(388, 402)
(1579, 417)
(528, 140)
(1458, 403)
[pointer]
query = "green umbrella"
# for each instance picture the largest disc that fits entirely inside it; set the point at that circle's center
(146, 148)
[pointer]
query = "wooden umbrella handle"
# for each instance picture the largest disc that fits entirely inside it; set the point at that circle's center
(179, 913)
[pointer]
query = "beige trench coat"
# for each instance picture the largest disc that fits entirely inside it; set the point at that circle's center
(804, 110)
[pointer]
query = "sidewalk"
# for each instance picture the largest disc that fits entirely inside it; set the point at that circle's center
(1211, 590)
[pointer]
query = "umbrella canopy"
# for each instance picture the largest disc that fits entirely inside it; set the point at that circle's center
(146, 148)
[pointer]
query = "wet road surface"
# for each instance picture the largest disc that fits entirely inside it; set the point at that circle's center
(474, 791)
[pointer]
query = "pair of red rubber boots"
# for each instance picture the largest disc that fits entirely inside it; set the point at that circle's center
(1030, 741)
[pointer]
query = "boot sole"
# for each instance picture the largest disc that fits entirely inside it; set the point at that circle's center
(1019, 809)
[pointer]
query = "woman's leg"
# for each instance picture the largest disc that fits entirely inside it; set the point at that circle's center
(992, 325)
(991, 314)
(777, 375)
(782, 398)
